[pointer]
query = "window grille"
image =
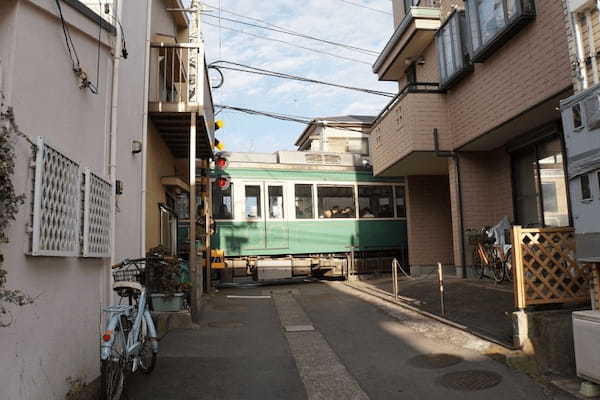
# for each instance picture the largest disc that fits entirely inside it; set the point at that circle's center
(96, 216)
(56, 203)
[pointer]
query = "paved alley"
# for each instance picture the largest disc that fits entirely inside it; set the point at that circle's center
(318, 341)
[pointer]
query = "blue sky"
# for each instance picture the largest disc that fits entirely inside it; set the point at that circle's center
(334, 20)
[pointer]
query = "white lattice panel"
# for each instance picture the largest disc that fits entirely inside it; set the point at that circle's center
(56, 203)
(96, 216)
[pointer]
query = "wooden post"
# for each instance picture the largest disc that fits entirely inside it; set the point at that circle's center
(441, 281)
(207, 221)
(195, 269)
(519, 276)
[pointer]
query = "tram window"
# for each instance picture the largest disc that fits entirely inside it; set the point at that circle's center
(336, 202)
(275, 202)
(304, 202)
(253, 209)
(400, 202)
(222, 202)
(375, 201)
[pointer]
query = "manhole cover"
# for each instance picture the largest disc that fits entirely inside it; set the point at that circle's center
(225, 324)
(470, 380)
(434, 361)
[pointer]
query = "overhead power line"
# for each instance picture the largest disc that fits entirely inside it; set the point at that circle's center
(297, 34)
(260, 71)
(281, 117)
(365, 7)
(289, 44)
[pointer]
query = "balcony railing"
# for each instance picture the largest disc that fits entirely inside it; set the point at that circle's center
(173, 72)
(402, 134)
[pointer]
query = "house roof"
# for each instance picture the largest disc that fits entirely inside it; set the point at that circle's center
(352, 120)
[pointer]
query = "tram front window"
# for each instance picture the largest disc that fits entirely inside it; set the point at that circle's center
(253, 201)
(304, 202)
(375, 201)
(336, 202)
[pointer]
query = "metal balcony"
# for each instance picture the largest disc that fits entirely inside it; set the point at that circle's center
(178, 92)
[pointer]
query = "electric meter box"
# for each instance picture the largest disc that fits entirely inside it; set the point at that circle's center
(581, 124)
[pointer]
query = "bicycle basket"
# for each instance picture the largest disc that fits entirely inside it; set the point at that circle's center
(130, 273)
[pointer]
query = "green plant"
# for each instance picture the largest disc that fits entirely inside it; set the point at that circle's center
(9, 206)
(164, 272)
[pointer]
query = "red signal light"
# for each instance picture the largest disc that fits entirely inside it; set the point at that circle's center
(223, 182)
(107, 336)
(221, 162)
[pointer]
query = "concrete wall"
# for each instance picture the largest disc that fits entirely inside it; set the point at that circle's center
(429, 220)
(57, 337)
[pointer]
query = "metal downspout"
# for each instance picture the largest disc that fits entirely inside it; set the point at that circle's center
(454, 156)
(145, 129)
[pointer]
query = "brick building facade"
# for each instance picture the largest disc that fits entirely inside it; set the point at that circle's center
(487, 77)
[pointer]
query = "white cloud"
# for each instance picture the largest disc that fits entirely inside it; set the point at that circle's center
(332, 20)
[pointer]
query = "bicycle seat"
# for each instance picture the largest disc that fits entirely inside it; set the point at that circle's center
(128, 285)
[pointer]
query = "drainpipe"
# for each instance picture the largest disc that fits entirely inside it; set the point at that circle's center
(454, 156)
(114, 105)
(145, 129)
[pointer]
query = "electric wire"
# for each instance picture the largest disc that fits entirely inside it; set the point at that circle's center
(365, 7)
(264, 72)
(281, 117)
(297, 34)
(290, 44)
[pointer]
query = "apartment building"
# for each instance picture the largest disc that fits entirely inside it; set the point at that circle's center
(82, 82)
(475, 127)
(339, 134)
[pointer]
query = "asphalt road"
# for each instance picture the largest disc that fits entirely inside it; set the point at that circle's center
(316, 341)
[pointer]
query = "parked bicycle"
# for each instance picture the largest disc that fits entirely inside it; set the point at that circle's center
(129, 342)
(490, 256)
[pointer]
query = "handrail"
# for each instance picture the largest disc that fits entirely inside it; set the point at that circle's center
(174, 45)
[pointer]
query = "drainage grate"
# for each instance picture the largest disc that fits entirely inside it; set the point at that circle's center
(434, 361)
(225, 324)
(470, 380)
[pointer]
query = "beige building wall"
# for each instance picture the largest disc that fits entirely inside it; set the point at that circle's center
(160, 164)
(429, 220)
(531, 67)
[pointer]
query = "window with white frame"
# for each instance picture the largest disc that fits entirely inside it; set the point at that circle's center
(304, 201)
(453, 55)
(336, 202)
(375, 201)
(253, 201)
(491, 22)
(275, 202)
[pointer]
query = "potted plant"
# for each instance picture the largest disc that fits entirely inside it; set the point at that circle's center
(164, 280)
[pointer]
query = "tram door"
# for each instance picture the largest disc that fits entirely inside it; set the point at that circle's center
(276, 225)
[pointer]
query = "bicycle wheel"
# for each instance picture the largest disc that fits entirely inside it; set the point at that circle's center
(508, 267)
(147, 355)
(497, 265)
(112, 371)
(477, 263)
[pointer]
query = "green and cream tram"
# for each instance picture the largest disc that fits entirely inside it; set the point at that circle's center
(300, 213)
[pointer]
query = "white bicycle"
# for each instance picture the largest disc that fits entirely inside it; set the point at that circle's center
(129, 342)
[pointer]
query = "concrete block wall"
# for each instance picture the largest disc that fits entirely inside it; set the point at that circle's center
(429, 220)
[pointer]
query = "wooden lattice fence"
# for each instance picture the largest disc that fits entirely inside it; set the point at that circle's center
(545, 268)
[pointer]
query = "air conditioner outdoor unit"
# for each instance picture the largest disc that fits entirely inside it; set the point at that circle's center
(586, 335)
(580, 5)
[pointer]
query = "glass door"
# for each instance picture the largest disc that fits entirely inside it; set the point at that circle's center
(276, 228)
